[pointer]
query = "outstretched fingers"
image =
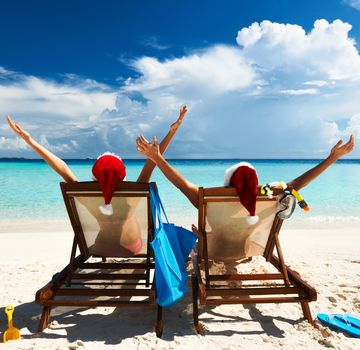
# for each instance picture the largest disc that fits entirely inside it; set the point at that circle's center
(143, 140)
(140, 144)
(179, 120)
(340, 150)
(351, 143)
(338, 143)
(14, 126)
(183, 111)
(148, 149)
(348, 146)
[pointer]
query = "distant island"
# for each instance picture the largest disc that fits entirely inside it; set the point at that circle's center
(13, 158)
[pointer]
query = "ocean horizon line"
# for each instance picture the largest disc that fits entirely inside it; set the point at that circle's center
(21, 159)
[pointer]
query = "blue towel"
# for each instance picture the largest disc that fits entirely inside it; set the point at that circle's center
(172, 245)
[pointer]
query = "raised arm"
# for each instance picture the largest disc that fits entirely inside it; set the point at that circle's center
(152, 151)
(336, 152)
(55, 162)
(150, 165)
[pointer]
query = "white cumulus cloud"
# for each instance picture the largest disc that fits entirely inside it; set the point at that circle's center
(215, 70)
(73, 98)
(325, 52)
(10, 144)
(353, 126)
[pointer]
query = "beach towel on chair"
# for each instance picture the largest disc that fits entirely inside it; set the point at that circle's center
(172, 245)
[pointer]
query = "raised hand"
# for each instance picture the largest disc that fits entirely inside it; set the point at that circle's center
(181, 116)
(148, 149)
(340, 150)
(18, 130)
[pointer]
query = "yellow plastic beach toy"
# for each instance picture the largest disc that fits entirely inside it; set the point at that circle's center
(11, 333)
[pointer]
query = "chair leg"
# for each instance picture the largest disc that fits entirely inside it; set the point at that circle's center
(159, 322)
(199, 327)
(195, 300)
(307, 313)
(45, 318)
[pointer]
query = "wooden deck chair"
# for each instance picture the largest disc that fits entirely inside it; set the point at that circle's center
(224, 235)
(105, 273)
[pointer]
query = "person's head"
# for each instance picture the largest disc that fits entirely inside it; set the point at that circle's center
(243, 177)
(109, 170)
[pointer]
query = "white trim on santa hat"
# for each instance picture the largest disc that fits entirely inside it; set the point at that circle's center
(109, 154)
(230, 171)
(252, 220)
(106, 209)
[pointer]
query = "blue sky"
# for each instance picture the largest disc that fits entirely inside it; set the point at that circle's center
(262, 79)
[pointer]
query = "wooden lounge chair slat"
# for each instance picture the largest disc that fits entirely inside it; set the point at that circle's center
(98, 303)
(231, 200)
(115, 266)
(246, 277)
(107, 284)
(98, 193)
(109, 276)
(103, 292)
(252, 291)
(269, 300)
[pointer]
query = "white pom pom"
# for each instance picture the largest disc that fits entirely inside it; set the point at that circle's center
(252, 220)
(106, 209)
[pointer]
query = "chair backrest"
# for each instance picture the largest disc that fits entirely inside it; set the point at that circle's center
(110, 236)
(225, 233)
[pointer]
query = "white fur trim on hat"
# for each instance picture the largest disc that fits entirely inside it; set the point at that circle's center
(252, 220)
(230, 171)
(109, 154)
(106, 209)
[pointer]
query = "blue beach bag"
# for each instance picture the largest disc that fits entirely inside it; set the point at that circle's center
(171, 245)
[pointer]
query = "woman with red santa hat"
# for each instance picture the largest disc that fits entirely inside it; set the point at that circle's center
(108, 170)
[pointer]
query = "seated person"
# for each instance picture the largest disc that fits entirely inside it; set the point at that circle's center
(115, 239)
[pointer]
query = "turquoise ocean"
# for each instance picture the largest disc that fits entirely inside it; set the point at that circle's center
(30, 192)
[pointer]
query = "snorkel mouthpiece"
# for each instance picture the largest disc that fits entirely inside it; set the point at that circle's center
(302, 204)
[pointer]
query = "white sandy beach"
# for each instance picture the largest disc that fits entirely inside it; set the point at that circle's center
(327, 258)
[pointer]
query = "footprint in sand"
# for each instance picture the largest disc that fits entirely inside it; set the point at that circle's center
(342, 296)
(355, 261)
(332, 299)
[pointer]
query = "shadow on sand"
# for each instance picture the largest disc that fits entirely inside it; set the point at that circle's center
(122, 323)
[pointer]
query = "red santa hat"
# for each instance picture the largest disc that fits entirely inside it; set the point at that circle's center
(109, 170)
(243, 177)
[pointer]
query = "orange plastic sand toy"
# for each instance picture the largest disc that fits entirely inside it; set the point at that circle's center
(11, 333)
